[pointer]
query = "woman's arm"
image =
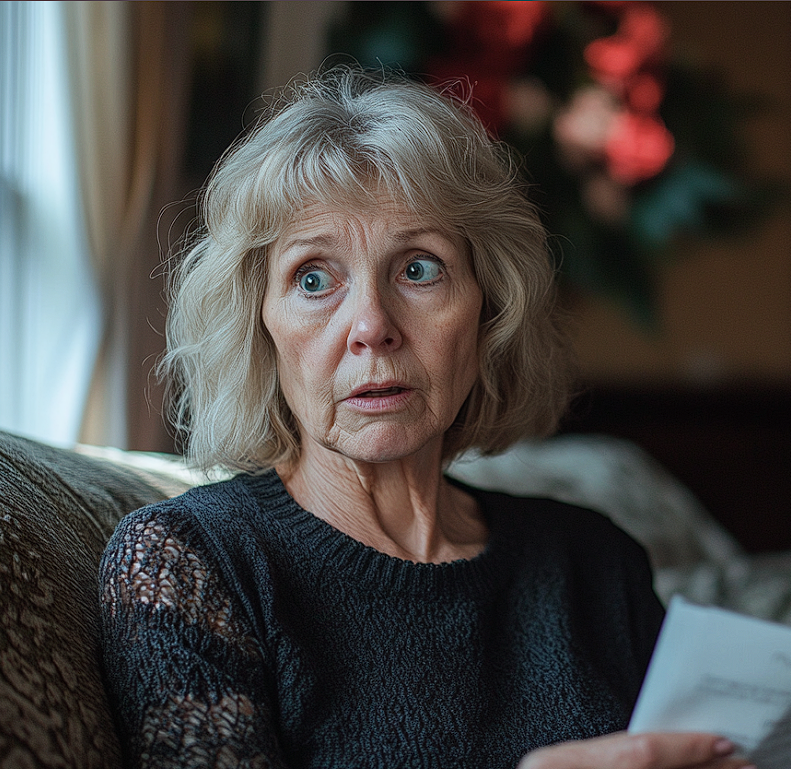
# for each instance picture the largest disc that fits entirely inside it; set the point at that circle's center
(184, 672)
(638, 751)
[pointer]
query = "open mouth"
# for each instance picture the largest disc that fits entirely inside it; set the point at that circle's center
(379, 399)
(380, 393)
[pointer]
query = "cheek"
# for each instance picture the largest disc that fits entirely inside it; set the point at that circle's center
(287, 350)
(452, 356)
(290, 335)
(294, 371)
(303, 367)
(464, 332)
(466, 369)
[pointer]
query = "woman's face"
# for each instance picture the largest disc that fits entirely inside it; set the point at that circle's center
(375, 319)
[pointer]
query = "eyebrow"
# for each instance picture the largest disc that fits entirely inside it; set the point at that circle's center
(406, 235)
(319, 240)
(327, 241)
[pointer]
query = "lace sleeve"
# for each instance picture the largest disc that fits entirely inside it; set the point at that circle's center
(184, 672)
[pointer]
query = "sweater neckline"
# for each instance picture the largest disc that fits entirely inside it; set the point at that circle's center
(319, 545)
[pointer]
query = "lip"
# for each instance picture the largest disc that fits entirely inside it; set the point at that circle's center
(374, 387)
(379, 396)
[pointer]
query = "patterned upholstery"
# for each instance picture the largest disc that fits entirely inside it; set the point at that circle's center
(59, 507)
(57, 510)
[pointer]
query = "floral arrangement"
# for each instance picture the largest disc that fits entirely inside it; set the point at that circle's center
(627, 149)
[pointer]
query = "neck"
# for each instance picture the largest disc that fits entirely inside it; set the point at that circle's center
(404, 508)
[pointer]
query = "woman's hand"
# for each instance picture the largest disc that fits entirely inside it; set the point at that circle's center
(639, 751)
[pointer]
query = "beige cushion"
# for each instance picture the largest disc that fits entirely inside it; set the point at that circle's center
(57, 511)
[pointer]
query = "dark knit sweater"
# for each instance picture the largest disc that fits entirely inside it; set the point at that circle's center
(241, 630)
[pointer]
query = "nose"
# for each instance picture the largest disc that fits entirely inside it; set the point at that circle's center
(372, 325)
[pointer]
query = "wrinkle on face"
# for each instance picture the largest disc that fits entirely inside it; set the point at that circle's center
(436, 329)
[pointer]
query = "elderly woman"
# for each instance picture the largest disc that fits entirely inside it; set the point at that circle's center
(370, 296)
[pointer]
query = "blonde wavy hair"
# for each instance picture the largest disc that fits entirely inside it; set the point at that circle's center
(349, 137)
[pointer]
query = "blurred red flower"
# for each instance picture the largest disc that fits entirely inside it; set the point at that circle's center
(628, 64)
(644, 93)
(517, 20)
(638, 44)
(582, 128)
(637, 148)
(491, 39)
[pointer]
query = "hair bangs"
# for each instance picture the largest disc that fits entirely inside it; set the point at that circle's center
(351, 139)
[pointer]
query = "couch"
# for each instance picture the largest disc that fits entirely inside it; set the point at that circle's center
(57, 510)
(58, 507)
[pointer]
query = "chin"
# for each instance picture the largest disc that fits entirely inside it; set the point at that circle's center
(385, 446)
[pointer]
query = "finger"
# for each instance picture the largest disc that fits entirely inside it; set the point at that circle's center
(633, 751)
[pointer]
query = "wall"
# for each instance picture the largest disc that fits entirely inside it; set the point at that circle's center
(726, 307)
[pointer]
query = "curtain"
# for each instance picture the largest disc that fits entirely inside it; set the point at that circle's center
(91, 123)
(92, 195)
(49, 306)
(100, 68)
(130, 174)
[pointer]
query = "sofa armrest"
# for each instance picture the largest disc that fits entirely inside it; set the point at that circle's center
(57, 511)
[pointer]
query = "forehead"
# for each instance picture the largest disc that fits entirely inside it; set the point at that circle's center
(322, 224)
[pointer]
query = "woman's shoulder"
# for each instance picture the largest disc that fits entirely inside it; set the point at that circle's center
(602, 565)
(175, 529)
(550, 524)
(218, 528)
(160, 561)
(555, 514)
(191, 506)
(154, 523)
(538, 510)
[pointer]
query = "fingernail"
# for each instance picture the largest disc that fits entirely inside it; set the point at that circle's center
(723, 747)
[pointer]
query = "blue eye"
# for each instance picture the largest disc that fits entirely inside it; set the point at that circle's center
(314, 281)
(422, 271)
